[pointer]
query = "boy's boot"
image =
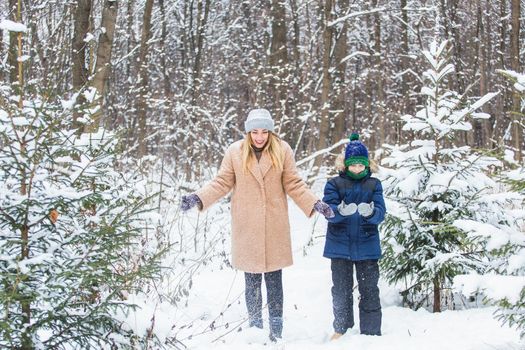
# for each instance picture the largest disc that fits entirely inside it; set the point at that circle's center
(335, 336)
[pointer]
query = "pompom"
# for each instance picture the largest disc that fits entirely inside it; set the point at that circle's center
(354, 137)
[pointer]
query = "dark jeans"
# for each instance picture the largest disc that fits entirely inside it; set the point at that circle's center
(367, 272)
(274, 294)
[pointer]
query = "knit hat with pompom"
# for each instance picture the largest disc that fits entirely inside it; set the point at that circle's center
(356, 152)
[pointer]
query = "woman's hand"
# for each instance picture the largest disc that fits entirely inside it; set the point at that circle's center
(189, 202)
(324, 209)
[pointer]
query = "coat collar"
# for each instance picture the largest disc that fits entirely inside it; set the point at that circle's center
(261, 167)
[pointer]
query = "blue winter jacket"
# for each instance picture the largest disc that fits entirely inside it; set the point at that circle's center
(354, 237)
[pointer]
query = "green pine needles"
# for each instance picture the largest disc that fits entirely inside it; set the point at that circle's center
(71, 232)
(511, 310)
(446, 214)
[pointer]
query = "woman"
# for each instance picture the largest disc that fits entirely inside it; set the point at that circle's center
(261, 171)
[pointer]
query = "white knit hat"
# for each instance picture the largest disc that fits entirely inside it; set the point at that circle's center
(259, 119)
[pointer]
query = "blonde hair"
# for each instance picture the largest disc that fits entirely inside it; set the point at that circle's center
(273, 147)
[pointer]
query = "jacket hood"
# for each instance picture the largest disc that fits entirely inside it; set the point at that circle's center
(340, 164)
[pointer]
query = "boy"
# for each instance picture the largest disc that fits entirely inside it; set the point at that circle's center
(352, 239)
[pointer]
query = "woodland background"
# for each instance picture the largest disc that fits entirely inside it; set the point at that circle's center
(110, 111)
(180, 76)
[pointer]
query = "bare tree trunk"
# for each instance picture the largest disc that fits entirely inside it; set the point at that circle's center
(19, 64)
(379, 76)
(458, 46)
(501, 119)
(17, 73)
(202, 19)
(296, 37)
(184, 45)
(444, 17)
(404, 66)
(478, 130)
(279, 62)
(103, 61)
(13, 46)
(488, 126)
(517, 132)
(296, 76)
(437, 295)
(79, 70)
(2, 78)
(503, 32)
(340, 52)
(129, 27)
(142, 98)
(324, 125)
(128, 70)
(36, 43)
(163, 60)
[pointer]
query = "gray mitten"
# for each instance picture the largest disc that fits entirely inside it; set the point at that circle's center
(366, 209)
(347, 209)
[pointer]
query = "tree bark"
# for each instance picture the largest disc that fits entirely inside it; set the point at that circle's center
(517, 132)
(16, 51)
(202, 20)
(12, 54)
(405, 105)
(142, 98)
(2, 78)
(379, 76)
(279, 61)
(478, 128)
(79, 70)
(437, 295)
(488, 126)
(296, 37)
(296, 76)
(324, 124)
(103, 61)
(164, 61)
(502, 118)
(340, 52)
(105, 44)
(131, 40)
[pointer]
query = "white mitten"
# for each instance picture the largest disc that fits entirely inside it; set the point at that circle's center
(347, 209)
(366, 209)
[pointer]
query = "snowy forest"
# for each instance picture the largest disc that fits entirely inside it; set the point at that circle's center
(112, 110)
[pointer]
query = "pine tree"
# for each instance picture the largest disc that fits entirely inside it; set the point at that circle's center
(440, 194)
(511, 257)
(71, 229)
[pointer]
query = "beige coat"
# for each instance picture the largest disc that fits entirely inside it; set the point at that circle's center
(259, 208)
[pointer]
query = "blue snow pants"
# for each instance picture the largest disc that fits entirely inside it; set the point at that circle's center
(367, 273)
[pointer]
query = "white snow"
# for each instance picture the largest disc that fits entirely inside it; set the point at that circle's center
(214, 315)
(355, 14)
(494, 286)
(23, 58)
(89, 37)
(11, 26)
(496, 237)
(517, 261)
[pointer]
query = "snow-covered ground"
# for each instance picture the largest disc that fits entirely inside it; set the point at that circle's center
(215, 315)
